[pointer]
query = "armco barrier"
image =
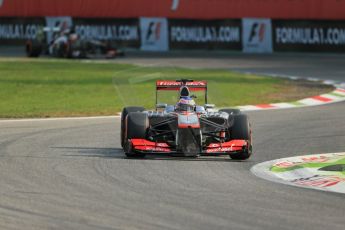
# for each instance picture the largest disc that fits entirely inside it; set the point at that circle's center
(258, 35)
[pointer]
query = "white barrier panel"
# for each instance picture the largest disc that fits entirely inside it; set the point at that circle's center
(257, 35)
(154, 34)
(60, 23)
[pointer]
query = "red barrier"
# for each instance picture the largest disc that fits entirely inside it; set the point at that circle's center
(197, 9)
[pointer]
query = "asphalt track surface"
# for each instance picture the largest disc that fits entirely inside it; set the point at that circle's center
(72, 174)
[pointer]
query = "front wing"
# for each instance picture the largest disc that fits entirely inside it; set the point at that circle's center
(225, 148)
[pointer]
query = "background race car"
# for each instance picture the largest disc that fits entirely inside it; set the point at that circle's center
(68, 44)
(185, 129)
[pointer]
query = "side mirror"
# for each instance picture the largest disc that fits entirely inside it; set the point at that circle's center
(200, 109)
(161, 106)
(209, 106)
(169, 109)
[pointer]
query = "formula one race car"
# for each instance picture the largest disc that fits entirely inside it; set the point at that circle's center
(68, 44)
(185, 129)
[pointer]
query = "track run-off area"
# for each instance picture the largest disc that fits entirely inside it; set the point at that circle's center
(72, 173)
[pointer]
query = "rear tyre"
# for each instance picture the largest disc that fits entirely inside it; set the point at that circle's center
(124, 114)
(241, 131)
(33, 48)
(137, 126)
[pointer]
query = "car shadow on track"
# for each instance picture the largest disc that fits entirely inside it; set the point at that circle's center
(117, 153)
(91, 152)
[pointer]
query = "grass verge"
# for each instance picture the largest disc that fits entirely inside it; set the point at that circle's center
(57, 88)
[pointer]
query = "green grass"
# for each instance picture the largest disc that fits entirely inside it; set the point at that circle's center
(54, 88)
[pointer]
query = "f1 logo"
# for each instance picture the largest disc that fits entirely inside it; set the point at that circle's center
(257, 35)
(257, 32)
(154, 34)
(153, 31)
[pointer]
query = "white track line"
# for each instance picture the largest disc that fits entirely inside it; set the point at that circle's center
(57, 119)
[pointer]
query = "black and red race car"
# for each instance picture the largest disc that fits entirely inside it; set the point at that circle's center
(68, 44)
(185, 129)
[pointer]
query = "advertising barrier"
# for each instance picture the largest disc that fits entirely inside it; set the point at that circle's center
(251, 35)
(154, 34)
(63, 23)
(15, 31)
(257, 35)
(121, 32)
(202, 34)
(312, 36)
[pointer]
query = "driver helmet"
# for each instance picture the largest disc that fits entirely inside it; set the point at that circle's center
(185, 104)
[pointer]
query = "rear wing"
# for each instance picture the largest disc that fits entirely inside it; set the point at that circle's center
(176, 85)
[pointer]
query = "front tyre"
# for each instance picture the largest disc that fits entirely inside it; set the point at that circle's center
(124, 115)
(241, 131)
(137, 124)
